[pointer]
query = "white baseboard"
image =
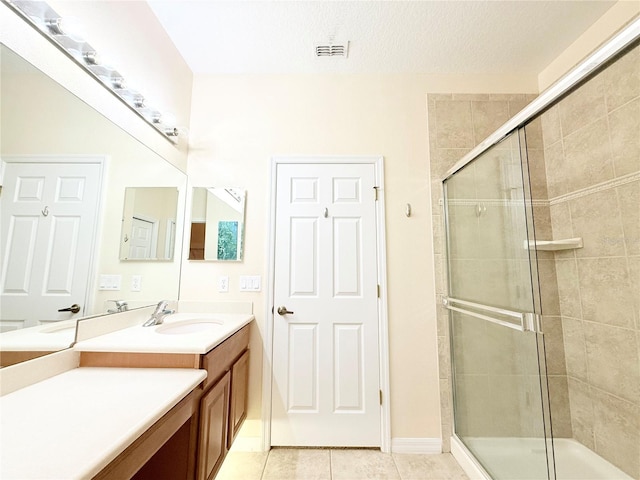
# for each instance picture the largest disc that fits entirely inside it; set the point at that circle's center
(416, 445)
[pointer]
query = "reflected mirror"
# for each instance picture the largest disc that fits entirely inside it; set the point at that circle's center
(149, 223)
(51, 137)
(217, 223)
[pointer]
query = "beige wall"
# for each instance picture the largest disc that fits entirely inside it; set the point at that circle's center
(612, 21)
(129, 36)
(240, 122)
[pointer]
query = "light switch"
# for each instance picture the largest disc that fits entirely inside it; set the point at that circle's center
(109, 282)
(250, 283)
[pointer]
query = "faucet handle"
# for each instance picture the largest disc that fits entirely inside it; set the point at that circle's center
(121, 305)
(162, 305)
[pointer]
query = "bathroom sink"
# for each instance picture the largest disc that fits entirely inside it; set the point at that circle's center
(186, 327)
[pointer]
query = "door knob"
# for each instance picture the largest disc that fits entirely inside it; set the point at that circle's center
(283, 310)
(75, 308)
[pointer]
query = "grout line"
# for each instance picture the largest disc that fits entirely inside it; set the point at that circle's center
(331, 464)
(264, 465)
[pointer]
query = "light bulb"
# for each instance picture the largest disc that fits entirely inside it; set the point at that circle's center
(169, 119)
(69, 26)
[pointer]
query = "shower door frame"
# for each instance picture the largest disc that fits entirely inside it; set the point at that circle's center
(582, 72)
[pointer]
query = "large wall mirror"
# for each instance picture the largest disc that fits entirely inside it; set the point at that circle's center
(57, 152)
(217, 223)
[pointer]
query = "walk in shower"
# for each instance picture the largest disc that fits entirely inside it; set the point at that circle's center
(543, 262)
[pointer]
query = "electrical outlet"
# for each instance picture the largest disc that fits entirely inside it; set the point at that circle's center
(223, 284)
(136, 283)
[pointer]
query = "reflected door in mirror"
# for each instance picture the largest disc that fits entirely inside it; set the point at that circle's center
(48, 227)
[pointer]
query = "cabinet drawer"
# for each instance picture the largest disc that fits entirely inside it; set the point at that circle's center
(219, 360)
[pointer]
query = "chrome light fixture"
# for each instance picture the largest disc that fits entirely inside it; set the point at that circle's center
(67, 35)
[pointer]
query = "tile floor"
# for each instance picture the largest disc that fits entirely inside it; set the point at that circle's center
(338, 464)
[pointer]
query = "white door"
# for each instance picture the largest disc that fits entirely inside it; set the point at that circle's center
(142, 235)
(48, 223)
(326, 384)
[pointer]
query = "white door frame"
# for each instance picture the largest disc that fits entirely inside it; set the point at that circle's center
(383, 325)
(170, 240)
(103, 162)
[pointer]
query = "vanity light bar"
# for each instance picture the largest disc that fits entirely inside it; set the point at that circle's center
(47, 21)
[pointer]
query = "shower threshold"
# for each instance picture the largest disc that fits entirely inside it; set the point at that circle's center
(516, 458)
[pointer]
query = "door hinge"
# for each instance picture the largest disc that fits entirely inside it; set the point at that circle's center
(375, 190)
(380, 397)
(378, 290)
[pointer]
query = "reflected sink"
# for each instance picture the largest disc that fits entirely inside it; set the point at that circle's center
(59, 329)
(185, 327)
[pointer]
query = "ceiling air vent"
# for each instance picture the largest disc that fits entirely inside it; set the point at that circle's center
(333, 50)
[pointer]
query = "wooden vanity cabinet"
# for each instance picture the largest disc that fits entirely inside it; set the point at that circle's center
(209, 418)
(223, 404)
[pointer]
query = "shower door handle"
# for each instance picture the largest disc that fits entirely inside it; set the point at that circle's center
(526, 321)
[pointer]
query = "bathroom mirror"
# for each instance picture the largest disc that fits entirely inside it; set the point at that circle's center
(42, 122)
(149, 223)
(217, 223)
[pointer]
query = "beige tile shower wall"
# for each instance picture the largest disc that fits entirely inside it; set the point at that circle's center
(457, 123)
(592, 152)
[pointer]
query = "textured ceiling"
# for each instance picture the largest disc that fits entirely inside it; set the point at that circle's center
(518, 37)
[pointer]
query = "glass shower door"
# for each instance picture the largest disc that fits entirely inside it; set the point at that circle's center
(499, 391)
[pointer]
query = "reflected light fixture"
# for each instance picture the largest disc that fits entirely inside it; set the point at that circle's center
(68, 35)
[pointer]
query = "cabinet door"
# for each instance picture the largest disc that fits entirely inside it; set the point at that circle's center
(239, 385)
(214, 420)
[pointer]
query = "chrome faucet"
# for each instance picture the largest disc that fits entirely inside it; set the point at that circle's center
(157, 317)
(121, 306)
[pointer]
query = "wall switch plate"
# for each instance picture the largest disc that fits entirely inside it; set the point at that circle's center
(109, 282)
(250, 283)
(136, 283)
(223, 284)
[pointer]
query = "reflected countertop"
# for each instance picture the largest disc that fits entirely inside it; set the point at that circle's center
(50, 337)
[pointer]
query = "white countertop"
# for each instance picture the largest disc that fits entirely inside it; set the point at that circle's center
(43, 338)
(91, 415)
(139, 339)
